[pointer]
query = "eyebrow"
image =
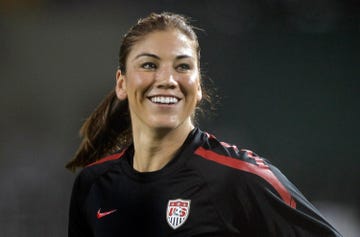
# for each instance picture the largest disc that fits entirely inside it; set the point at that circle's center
(147, 55)
(157, 57)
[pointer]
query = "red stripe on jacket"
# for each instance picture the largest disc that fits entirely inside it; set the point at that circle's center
(263, 172)
(107, 158)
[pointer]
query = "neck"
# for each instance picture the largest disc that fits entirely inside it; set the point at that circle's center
(154, 148)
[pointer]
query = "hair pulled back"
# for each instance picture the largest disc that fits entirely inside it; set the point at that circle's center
(108, 128)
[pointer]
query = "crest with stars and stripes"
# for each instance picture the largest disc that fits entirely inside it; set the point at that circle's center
(177, 212)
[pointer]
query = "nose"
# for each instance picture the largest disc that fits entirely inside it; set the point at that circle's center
(165, 78)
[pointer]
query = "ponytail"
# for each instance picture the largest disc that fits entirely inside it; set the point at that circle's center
(106, 130)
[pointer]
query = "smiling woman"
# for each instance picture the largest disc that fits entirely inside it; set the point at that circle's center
(161, 68)
(163, 65)
(162, 176)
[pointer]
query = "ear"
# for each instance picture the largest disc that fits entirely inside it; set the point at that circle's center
(199, 92)
(120, 87)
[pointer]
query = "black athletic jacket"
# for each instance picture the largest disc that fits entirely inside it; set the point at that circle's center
(209, 189)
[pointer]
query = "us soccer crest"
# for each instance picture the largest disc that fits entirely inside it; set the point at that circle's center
(177, 212)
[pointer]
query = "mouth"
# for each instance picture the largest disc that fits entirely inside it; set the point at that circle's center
(166, 100)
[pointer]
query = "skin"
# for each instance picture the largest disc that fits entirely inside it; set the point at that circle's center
(162, 64)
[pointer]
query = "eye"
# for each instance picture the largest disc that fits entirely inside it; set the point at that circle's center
(183, 67)
(149, 66)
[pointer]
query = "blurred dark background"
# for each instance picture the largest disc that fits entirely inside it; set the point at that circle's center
(287, 72)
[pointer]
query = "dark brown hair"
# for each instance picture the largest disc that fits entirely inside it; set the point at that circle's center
(108, 128)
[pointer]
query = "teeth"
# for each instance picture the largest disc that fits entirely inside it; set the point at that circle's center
(164, 100)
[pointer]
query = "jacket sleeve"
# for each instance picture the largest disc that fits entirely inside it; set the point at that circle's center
(77, 225)
(280, 209)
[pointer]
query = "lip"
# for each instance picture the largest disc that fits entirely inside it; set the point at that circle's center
(164, 95)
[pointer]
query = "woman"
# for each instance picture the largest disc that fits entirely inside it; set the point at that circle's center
(161, 176)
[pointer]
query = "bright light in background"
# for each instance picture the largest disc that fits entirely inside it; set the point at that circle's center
(343, 217)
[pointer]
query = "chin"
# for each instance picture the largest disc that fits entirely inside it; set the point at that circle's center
(164, 122)
(168, 122)
(165, 126)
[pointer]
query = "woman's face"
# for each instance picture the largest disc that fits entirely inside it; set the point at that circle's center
(162, 81)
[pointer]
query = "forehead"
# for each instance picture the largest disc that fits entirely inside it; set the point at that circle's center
(167, 43)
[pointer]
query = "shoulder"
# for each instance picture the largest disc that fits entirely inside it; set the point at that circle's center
(102, 165)
(106, 161)
(253, 169)
(91, 172)
(229, 155)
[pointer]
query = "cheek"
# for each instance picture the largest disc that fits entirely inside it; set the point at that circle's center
(192, 83)
(138, 81)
